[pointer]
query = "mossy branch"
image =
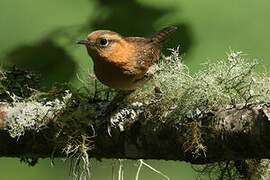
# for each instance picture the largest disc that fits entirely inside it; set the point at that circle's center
(220, 114)
(233, 133)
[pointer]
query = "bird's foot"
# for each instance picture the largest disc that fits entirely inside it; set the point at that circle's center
(157, 90)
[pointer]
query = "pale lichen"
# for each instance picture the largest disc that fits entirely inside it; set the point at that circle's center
(228, 82)
(126, 114)
(29, 115)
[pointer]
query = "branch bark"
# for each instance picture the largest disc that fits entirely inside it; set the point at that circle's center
(235, 133)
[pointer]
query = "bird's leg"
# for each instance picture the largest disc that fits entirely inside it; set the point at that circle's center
(157, 89)
(107, 96)
(97, 93)
(119, 97)
(150, 75)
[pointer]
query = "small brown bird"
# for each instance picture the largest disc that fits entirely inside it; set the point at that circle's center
(124, 63)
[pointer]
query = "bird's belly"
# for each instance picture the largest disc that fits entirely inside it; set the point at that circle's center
(118, 79)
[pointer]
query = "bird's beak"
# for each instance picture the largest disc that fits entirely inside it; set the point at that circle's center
(85, 42)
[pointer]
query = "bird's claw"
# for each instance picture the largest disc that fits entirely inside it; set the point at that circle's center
(109, 129)
(157, 90)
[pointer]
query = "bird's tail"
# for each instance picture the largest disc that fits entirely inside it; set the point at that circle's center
(162, 34)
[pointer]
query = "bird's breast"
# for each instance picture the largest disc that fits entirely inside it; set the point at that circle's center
(117, 77)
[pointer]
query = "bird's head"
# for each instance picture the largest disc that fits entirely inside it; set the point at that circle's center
(103, 44)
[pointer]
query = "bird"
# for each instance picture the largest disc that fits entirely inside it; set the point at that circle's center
(124, 63)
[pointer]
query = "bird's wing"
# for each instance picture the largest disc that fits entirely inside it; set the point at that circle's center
(146, 52)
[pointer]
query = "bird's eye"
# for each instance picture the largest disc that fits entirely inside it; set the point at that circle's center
(103, 42)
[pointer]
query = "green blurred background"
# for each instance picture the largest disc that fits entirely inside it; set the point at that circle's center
(40, 36)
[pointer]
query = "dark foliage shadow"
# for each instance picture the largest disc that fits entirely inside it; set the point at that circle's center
(46, 58)
(130, 18)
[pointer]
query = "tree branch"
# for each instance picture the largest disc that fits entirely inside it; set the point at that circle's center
(235, 133)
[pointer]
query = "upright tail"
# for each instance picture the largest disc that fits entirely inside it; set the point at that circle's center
(162, 34)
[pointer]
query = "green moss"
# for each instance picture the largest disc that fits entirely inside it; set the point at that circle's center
(227, 82)
(17, 83)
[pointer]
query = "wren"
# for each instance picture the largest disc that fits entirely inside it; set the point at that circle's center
(124, 63)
